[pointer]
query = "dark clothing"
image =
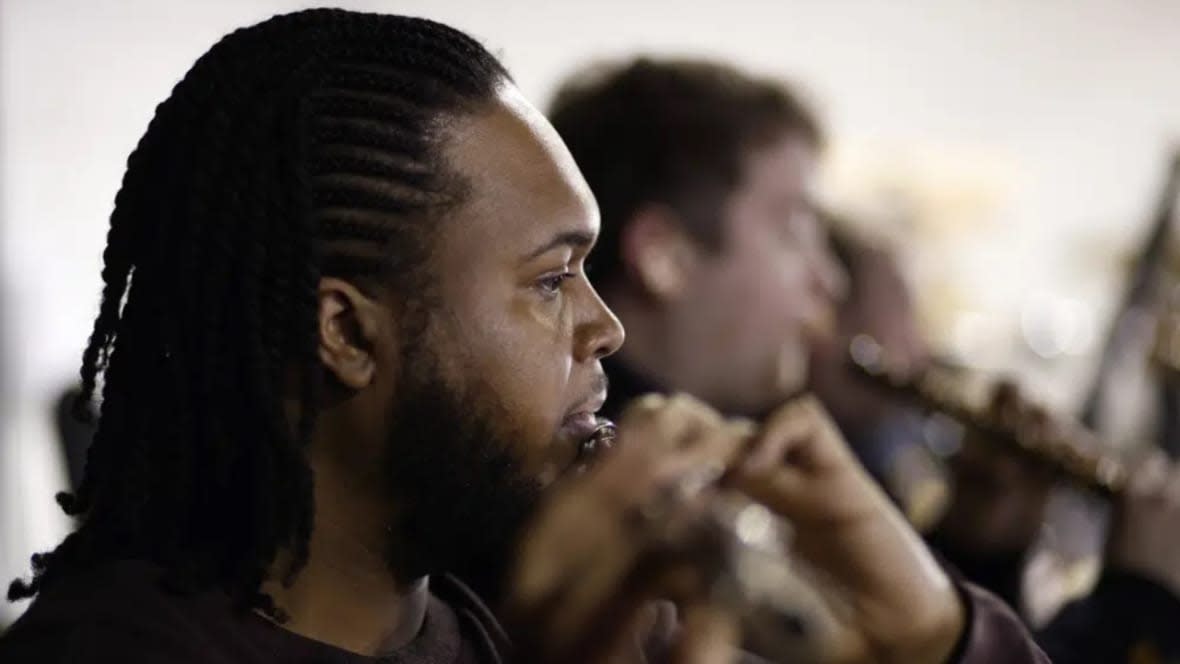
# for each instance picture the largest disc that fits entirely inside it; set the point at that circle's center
(1125, 619)
(120, 613)
(1001, 573)
(994, 634)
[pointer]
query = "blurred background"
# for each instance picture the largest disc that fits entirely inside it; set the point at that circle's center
(1010, 152)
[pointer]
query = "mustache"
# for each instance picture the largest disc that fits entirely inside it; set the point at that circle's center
(601, 383)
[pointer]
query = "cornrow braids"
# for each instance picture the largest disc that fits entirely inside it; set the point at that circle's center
(304, 146)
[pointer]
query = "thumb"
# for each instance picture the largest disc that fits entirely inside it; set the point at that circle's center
(708, 635)
(789, 452)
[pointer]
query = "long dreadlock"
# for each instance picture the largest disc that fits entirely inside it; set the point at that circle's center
(304, 146)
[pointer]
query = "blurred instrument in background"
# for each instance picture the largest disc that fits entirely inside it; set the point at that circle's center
(1150, 294)
(1067, 448)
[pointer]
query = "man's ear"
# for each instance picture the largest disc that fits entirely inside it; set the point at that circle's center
(658, 253)
(351, 327)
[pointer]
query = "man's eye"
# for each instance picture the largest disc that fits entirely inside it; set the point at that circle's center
(551, 285)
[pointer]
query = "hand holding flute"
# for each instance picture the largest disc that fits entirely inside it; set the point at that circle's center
(1012, 458)
(626, 531)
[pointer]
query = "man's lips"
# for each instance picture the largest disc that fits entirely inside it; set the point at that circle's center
(582, 422)
(585, 411)
(578, 427)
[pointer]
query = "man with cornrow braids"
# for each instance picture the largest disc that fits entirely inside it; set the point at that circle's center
(347, 349)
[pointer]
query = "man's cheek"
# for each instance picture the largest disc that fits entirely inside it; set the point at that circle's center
(535, 392)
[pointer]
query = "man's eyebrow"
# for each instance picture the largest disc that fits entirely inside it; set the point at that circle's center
(575, 239)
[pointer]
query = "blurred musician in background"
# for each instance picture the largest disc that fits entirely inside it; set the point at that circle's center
(710, 251)
(998, 501)
(713, 257)
(888, 435)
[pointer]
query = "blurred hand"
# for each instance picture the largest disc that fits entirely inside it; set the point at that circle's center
(894, 602)
(1145, 533)
(626, 532)
(999, 499)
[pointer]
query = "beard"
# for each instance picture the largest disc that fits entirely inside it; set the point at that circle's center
(463, 496)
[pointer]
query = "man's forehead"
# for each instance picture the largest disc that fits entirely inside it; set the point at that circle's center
(789, 161)
(523, 186)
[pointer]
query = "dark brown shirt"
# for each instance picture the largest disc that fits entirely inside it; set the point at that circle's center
(119, 612)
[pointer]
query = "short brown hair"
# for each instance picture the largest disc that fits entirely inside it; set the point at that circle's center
(673, 132)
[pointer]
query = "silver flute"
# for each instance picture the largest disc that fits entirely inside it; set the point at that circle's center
(782, 615)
